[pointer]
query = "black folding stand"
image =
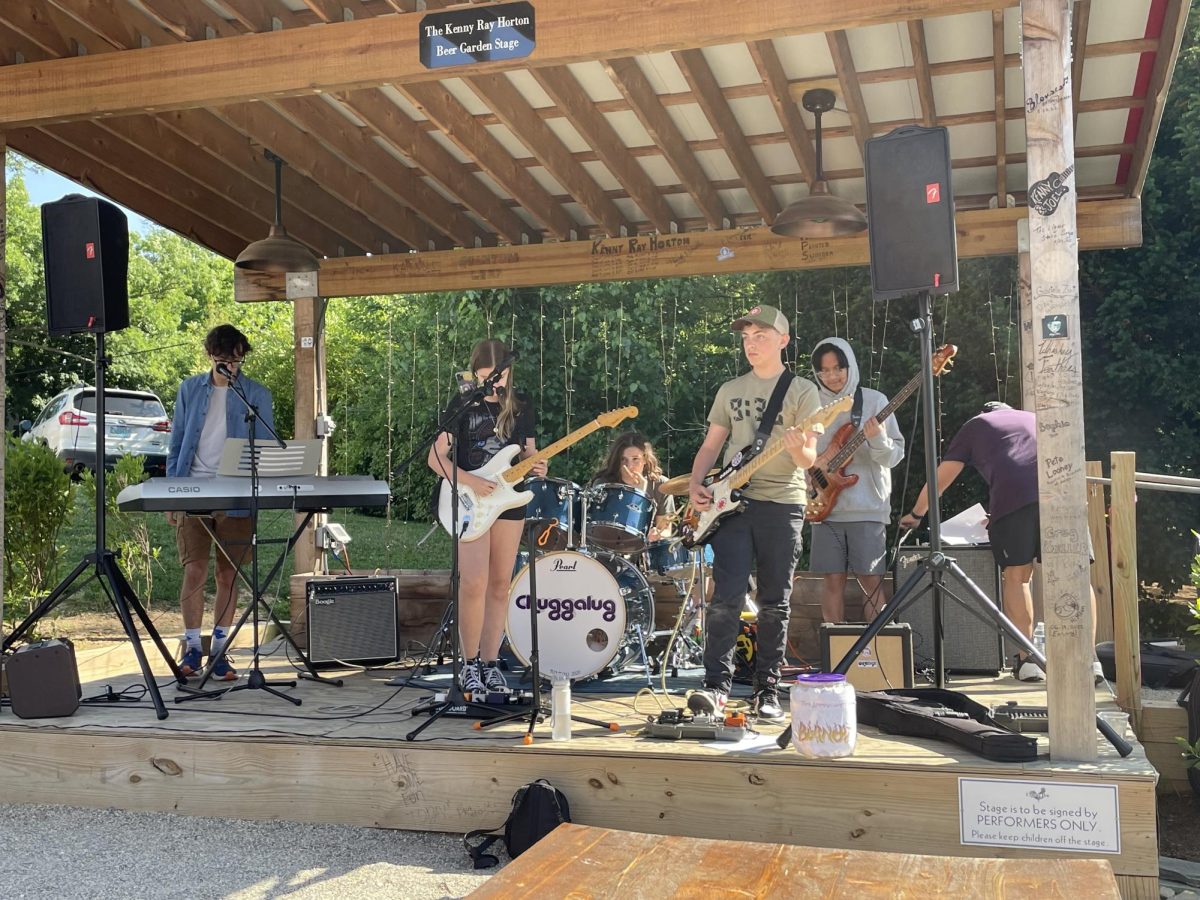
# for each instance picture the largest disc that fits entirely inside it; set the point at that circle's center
(106, 569)
(936, 564)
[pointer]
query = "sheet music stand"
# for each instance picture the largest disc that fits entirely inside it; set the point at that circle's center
(247, 459)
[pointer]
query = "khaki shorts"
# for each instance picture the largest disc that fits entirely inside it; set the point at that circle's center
(195, 543)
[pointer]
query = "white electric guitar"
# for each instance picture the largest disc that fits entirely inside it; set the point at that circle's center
(476, 514)
(699, 527)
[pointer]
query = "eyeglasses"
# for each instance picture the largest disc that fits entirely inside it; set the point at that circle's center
(831, 372)
(229, 360)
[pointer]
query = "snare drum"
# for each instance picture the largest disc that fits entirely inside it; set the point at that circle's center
(590, 609)
(555, 504)
(669, 558)
(619, 517)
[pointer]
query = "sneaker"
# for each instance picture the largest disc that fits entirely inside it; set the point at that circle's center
(1097, 672)
(222, 670)
(1028, 670)
(493, 679)
(766, 703)
(708, 701)
(469, 679)
(192, 662)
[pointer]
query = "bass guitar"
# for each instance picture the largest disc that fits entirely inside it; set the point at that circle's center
(699, 527)
(827, 480)
(477, 513)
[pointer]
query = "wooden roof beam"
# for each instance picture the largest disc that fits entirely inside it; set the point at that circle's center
(843, 62)
(646, 105)
(986, 232)
(114, 21)
(254, 15)
(609, 148)
(35, 30)
(402, 133)
(350, 55)
(1170, 38)
(339, 10)
(720, 116)
(1000, 106)
(770, 69)
(475, 141)
(516, 113)
(1081, 14)
(49, 151)
(921, 72)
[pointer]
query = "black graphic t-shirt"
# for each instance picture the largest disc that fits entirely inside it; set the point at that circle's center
(476, 438)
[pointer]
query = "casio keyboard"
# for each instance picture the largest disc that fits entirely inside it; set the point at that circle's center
(303, 493)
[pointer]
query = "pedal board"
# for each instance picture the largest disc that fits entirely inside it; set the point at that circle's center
(1019, 718)
(498, 705)
(678, 724)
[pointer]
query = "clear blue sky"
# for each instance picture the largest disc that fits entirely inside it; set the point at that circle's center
(45, 185)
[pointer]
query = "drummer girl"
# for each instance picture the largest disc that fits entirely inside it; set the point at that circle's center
(486, 564)
(631, 461)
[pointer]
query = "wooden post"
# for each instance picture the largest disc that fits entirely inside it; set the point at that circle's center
(309, 399)
(1058, 386)
(1127, 635)
(1101, 574)
(1025, 309)
(3, 346)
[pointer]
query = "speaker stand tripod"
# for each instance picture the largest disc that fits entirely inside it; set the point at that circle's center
(105, 568)
(937, 565)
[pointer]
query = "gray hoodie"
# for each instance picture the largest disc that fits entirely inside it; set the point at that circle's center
(871, 499)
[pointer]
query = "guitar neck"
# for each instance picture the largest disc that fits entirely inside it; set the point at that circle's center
(769, 452)
(851, 446)
(523, 468)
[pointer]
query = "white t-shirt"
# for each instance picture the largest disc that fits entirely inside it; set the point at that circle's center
(212, 436)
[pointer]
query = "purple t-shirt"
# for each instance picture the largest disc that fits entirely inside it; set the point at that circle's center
(1002, 446)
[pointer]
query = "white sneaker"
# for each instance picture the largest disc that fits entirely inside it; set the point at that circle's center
(1028, 670)
(1097, 672)
(494, 681)
(707, 701)
(469, 680)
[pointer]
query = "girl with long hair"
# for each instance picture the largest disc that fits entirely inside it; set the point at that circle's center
(631, 461)
(486, 564)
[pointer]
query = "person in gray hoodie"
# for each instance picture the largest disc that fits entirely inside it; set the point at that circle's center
(851, 539)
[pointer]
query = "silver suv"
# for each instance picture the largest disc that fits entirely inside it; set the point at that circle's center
(135, 422)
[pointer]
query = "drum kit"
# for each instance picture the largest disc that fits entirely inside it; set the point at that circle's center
(594, 568)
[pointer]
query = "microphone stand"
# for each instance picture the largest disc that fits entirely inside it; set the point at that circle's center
(455, 701)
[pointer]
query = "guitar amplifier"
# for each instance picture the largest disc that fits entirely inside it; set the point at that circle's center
(886, 662)
(43, 680)
(972, 645)
(352, 619)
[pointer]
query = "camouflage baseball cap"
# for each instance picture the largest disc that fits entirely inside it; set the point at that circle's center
(765, 315)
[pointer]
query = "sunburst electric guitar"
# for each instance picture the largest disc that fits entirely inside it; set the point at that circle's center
(698, 527)
(476, 514)
(828, 479)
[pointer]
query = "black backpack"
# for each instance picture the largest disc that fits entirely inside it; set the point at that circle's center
(537, 809)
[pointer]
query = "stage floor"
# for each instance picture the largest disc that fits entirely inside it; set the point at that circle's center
(342, 756)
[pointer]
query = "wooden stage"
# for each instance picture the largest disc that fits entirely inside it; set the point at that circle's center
(342, 757)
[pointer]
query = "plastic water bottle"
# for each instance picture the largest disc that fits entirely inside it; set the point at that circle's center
(1039, 638)
(560, 710)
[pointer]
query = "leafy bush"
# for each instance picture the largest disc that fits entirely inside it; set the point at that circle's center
(128, 533)
(38, 499)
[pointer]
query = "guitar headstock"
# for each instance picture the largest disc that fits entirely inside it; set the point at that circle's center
(944, 358)
(615, 417)
(826, 414)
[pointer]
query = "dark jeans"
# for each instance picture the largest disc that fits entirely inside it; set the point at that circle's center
(766, 536)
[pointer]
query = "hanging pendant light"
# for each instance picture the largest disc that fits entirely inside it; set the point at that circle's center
(278, 252)
(820, 214)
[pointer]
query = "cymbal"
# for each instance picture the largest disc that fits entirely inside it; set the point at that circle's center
(677, 486)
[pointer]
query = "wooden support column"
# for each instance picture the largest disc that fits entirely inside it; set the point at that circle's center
(310, 402)
(1058, 385)
(1101, 573)
(3, 344)
(1025, 310)
(1126, 632)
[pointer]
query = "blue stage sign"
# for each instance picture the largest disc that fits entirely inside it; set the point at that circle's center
(479, 34)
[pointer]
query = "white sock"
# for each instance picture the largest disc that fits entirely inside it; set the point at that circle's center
(219, 637)
(192, 637)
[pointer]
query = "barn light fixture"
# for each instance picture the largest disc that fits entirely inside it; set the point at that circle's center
(277, 252)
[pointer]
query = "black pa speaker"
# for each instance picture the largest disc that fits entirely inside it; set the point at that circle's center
(43, 680)
(972, 645)
(85, 248)
(352, 619)
(910, 213)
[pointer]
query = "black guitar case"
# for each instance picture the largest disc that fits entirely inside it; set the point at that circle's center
(944, 716)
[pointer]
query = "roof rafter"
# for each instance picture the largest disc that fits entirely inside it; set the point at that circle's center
(1164, 62)
(638, 92)
(607, 145)
(921, 72)
(1000, 106)
(843, 62)
(1081, 14)
(516, 113)
(766, 58)
(716, 109)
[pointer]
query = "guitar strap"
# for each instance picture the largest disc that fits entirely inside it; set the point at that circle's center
(856, 409)
(763, 433)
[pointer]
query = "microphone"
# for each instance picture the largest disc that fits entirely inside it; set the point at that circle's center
(223, 369)
(505, 363)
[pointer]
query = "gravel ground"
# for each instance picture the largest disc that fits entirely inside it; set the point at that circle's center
(66, 852)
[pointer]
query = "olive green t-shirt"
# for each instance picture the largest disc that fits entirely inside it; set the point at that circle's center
(739, 406)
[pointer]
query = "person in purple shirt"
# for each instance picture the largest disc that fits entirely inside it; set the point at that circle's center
(1001, 444)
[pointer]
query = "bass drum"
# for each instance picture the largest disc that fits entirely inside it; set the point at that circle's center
(590, 609)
